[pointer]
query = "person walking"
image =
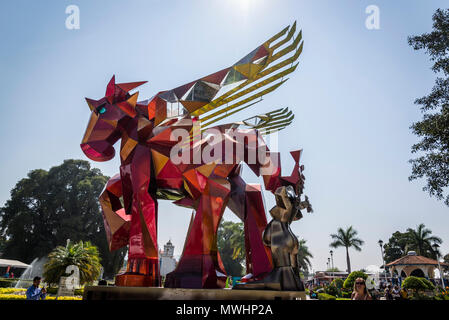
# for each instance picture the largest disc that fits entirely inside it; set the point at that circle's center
(34, 292)
(360, 292)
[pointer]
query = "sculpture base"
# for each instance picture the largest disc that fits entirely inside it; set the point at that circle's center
(153, 293)
(134, 280)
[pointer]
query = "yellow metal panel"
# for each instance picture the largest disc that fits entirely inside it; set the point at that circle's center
(159, 161)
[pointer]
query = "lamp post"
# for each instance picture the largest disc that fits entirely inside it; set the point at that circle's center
(435, 247)
(383, 261)
(332, 261)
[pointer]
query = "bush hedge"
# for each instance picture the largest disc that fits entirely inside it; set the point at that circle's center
(428, 284)
(325, 296)
(7, 283)
(11, 290)
(23, 297)
(349, 282)
(414, 283)
(54, 290)
(332, 290)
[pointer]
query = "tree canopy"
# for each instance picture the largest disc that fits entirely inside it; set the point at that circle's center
(396, 247)
(433, 162)
(48, 207)
(347, 239)
(419, 240)
(231, 246)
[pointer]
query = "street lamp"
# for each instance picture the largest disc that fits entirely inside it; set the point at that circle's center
(435, 247)
(383, 261)
(332, 260)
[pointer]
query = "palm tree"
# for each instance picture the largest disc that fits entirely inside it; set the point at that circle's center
(346, 238)
(421, 240)
(82, 254)
(304, 256)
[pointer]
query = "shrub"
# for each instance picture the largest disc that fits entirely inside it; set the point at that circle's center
(414, 283)
(429, 285)
(332, 290)
(420, 296)
(23, 297)
(7, 283)
(338, 283)
(11, 290)
(346, 294)
(349, 282)
(325, 296)
(54, 290)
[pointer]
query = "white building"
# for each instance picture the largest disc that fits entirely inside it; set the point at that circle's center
(167, 262)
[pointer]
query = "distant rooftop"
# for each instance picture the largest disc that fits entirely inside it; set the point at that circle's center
(413, 259)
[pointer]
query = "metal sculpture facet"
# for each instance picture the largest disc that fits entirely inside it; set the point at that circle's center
(148, 173)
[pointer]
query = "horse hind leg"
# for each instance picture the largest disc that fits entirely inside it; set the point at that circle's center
(199, 265)
(246, 201)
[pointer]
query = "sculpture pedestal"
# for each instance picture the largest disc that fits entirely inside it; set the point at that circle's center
(133, 280)
(153, 293)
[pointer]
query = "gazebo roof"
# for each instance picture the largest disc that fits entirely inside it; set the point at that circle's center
(413, 259)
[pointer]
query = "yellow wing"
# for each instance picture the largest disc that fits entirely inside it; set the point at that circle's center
(223, 93)
(270, 122)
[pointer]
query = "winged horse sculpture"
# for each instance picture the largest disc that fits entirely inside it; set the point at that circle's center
(148, 172)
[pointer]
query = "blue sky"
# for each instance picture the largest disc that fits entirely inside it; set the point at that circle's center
(352, 95)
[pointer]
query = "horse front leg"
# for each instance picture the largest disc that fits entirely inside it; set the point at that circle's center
(116, 222)
(143, 261)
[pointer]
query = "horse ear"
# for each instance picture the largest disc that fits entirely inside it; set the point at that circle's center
(91, 103)
(130, 85)
(110, 89)
(129, 105)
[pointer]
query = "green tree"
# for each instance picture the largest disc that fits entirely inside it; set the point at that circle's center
(304, 256)
(421, 241)
(397, 246)
(335, 269)
(338, 283)
(48, 207)
(446, 258)
(348, 239)
(349, 281)
(433, 130)
(231, 245)
(82, 254)
(2, 244)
